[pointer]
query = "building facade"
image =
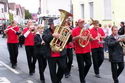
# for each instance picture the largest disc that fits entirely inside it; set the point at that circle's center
(3, 9)
(17, 11)
(106, 11)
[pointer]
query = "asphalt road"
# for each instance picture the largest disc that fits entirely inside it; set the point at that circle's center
(21, 75)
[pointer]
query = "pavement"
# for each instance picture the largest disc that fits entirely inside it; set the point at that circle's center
(20, 74)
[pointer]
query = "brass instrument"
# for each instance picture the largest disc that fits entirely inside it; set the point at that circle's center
(122, 43)
(58, 45)
(83, 42)
(33, 29)
(86, 37)
(96, 22)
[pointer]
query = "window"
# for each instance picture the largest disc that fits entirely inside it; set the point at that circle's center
(91, 9)
(2, 10)
(82, 10)
(107, 10)
(17, 11)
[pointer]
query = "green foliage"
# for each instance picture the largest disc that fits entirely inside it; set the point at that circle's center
(28, 14)
(10, 17)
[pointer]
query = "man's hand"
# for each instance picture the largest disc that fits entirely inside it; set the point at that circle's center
(121, 39)
(56, 35)
(42, 43)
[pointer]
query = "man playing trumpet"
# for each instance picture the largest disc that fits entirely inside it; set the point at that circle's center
(82, 53)
(97, 47)
(29, 34)
(116, 54)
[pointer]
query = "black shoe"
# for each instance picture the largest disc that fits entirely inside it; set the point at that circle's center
(98, 76)
(33, 71)
(60, 82)
(42, 81)
(14, 66)
(84, 81)
(31, 74)
(116, 81)
(67, 75)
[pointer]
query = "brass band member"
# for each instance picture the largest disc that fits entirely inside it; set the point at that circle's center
(97, 47)
(116, 54)
(121, 31)
(29, 34)
(69, 54)
(12, 32)
(39, 51)
(82, 53)
(54, 58)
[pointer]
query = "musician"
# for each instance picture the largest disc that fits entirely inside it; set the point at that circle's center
(121, 31)
(29, 34)
(54, 58)
(97, 47)
(76, 23)
(69, 54)
(82, 53)
(39, 51)
(12, 32)
(116, 54)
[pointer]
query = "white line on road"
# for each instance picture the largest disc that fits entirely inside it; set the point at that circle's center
(29, 81)
(4, 80)
(13, 70)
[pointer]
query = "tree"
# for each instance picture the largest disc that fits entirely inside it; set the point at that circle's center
(28, 14)
(10, 17)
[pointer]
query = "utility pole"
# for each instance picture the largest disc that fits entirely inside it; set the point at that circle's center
(39, 9)
(71, 7)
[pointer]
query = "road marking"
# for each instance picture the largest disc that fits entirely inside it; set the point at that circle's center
(4, 80)
(29, 81)
(8, 67)
(1, 65)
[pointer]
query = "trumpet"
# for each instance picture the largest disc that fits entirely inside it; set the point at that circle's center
(121, 43)
(121, 36)
(86, 34)
(32, 29)
(98, 37)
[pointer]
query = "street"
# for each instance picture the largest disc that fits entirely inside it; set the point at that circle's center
(21, 75)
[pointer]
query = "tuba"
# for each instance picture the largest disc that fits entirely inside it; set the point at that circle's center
(56, 44)
(86, 37)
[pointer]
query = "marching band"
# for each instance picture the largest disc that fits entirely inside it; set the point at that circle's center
(85, 43)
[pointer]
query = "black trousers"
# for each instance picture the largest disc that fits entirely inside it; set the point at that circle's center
(98, 58)
(42, 65)
(31, 59)
(84, 64)
(57, 74)
(13, 52)
(117, 68)
(69, 60)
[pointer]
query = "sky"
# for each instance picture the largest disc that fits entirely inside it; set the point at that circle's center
(31, 5)
(53, 5)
